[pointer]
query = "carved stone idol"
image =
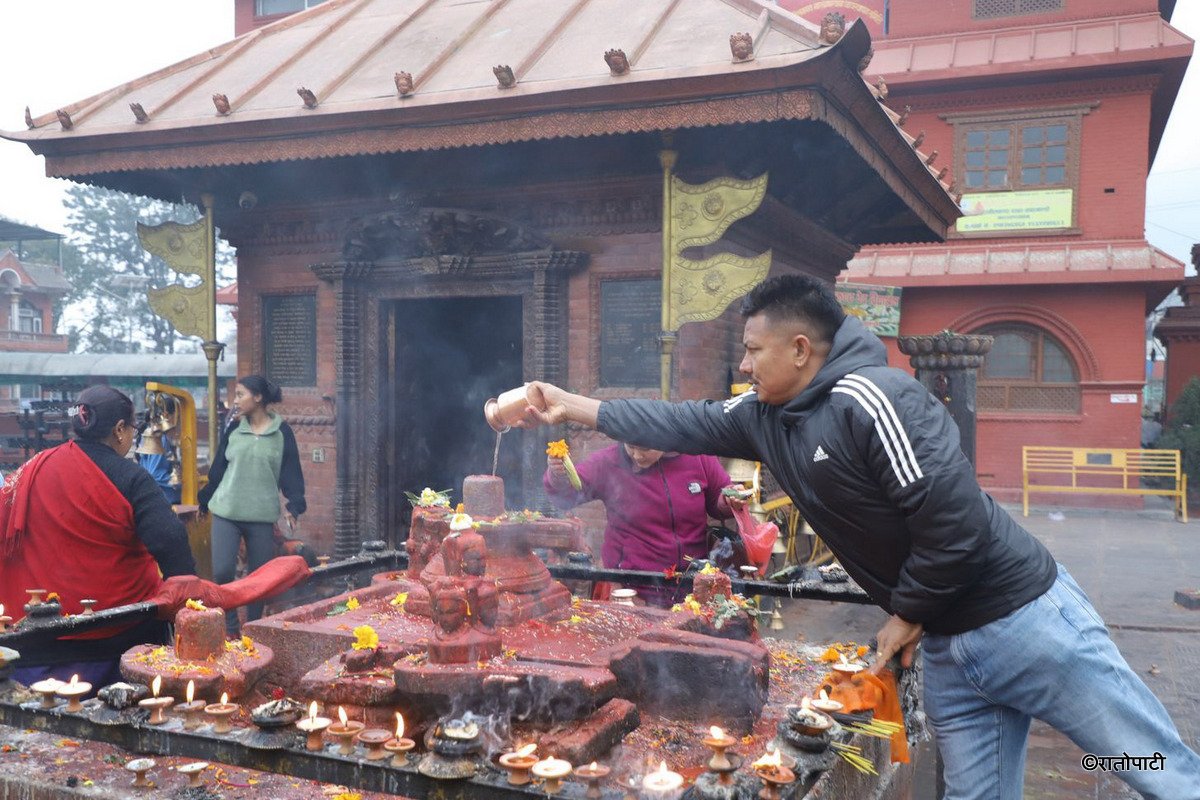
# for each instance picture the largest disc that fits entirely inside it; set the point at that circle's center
(404, 83)
(833, 26)
(742, 46)
(618, 64)
(504, 75)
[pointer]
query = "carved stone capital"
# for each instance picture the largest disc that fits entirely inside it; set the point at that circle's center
(945, 350)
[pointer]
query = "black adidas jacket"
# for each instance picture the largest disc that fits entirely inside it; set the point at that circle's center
(873, 463)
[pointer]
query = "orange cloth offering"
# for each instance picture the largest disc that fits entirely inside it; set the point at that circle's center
(863, 691)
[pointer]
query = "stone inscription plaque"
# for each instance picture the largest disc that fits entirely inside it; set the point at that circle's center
(630, 321)
(290, 339)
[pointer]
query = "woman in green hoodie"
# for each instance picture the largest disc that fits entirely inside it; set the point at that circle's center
(256, 460)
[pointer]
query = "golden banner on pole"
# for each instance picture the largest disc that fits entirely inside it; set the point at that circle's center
(185, 249)
(695, 216)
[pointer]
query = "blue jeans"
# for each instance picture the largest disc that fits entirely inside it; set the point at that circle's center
(1051, 659)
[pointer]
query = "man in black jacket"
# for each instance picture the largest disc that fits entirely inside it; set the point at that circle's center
(873, 463)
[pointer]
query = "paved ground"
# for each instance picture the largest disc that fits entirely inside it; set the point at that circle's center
(1130, 564)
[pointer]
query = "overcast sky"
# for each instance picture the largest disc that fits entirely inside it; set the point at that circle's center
(58, 51)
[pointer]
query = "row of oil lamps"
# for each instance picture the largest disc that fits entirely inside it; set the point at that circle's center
(521, 764)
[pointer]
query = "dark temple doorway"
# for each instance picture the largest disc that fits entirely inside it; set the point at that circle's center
(450, 356)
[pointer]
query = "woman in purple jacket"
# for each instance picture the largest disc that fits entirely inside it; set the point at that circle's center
(658, 505)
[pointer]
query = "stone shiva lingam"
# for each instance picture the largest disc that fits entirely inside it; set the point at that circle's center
(200, 656)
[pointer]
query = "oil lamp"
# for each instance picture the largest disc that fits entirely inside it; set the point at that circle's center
(48, 689)
(344, 732)
(220, 713)
(192, 771)
(157, 705)
(192, 709)
(73, 691)
(312, 725)
(719, 741)
(518, 763)
(374, 739)
(592, 774)
(773, 774)
(139, 767)
(551, 771)
(399, 746)
(662, 781)
(5, 620)
(825, 704)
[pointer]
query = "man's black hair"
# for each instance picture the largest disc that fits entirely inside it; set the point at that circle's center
(797, 297)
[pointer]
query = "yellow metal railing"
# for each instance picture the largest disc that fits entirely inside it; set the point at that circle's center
(1092, 470)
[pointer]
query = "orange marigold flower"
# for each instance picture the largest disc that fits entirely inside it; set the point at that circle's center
(558, 449)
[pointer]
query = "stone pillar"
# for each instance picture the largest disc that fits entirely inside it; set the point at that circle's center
(946, 364)
(1179, 331)
(349, 414)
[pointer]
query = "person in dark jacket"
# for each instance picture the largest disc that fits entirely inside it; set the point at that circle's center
(255, 461)
(873, 463)
(83, 521)
(657, 506)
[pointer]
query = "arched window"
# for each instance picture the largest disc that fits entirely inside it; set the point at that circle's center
(1027, 370)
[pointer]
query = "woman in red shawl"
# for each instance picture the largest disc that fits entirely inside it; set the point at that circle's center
(83, 521)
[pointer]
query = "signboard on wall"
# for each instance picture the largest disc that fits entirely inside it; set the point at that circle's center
(289, 333)
(630, 320)
(994, 212)
(877, 306)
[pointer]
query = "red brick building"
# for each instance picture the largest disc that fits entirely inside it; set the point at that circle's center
(432, 203)
(1046, 115)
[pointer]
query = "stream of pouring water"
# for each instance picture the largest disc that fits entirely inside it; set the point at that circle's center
(496, 453)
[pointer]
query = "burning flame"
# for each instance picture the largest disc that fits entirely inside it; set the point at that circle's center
(191, 690)
(824, 695)
(593, 766)
(1, 609)
(74, 680)
(312, 711)
(526, 750)
(399, 725)
(716, 733)
(342, 715)
(224, 698)
(806, 704)
(156, 684)
(770, 762)
(843, 657)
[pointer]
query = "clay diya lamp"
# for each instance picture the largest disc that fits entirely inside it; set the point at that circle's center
(193, 771)
(36, 597)
(89, 607)
(518, 763)
(374, 739)
(808, 721)
(551, 771)
(156, 705)
(592, 774)
(139, 767)
(219, 713)
(312, 725)
(5, 620)
(344, 732)
(623, 597)
(399, 746)
(48, 689)
(719, 741)
(192, 709)
(662, 782)
(73, 692)
(825, 704)
(774, 775)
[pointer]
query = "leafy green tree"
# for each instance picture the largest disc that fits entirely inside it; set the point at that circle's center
(112, 272)
(1182, 431)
